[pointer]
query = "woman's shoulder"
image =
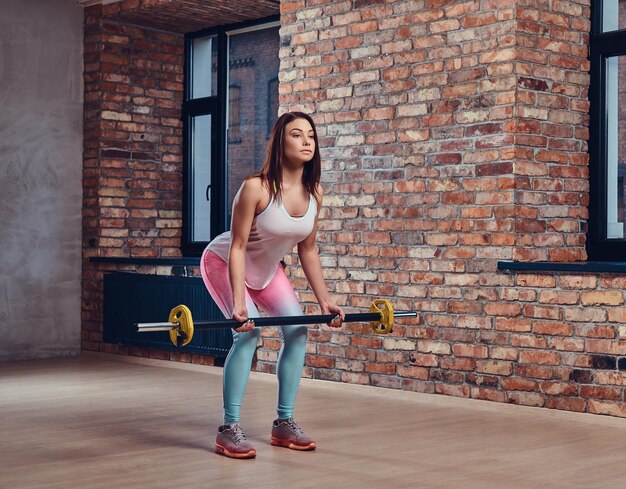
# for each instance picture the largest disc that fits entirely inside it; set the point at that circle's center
(253, 187)
(253, 183)
(319, 194)
(254, 192)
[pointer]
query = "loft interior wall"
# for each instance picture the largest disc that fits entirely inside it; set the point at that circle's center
(40, 177)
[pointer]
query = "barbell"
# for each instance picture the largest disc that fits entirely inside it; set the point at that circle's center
(181, 325)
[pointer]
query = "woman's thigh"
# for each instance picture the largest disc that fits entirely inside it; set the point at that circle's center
(214, 272)
(278, 298)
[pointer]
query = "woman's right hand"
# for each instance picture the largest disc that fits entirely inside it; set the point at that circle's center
(240, 314)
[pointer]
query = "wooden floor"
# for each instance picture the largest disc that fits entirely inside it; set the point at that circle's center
(114, 422)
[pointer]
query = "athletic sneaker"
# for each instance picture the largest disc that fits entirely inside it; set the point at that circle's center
(287, 433)
(231, 441)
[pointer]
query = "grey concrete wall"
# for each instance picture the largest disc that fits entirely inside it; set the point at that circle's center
(41, 45)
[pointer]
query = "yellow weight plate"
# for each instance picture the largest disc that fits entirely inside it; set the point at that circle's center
(385, 309)
(182, 316)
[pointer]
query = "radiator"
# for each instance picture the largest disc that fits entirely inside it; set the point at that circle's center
(131, 298)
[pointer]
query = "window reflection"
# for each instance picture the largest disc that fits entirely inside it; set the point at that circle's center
(616, 145)
(613, 15)
(204, 63)
(253, 106)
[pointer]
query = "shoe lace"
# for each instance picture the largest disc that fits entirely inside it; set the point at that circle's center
(238, 435)
(295, 427)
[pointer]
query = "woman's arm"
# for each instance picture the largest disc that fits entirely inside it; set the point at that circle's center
(310, 260)
(245, 205)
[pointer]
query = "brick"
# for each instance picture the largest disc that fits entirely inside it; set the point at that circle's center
(494, 367)
(397, 344)
(436, 347)
(543, 312)
(526, 398)
(518, 384)
(596, 331)
(413, 372)
(608, 297)
(463, 364)
(528, 341)
(578, 282)
(608, 408)
(501, 353)
(617, 315)
(424, 360)
(585, 315)
(452, 390)
(552, 328)
(487, 394)
(558, 297)
(599, 392)
(495, 309)
(474, 322)
(466, 350)
(559, 389)
(610, 378)
(539, 357)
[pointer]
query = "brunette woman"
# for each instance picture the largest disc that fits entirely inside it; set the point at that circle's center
(273, 212)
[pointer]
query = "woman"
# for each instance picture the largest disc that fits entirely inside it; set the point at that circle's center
(272, 212)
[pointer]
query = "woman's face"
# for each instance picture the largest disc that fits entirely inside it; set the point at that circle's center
(299, 141)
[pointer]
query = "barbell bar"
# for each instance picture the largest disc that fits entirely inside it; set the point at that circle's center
(181, 325)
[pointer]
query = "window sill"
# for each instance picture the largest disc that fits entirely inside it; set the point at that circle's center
(183, 261)
(576, 267)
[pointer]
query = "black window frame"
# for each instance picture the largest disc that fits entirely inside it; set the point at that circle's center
(602, 45)
(216, 106)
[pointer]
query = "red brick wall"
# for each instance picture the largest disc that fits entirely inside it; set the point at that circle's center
(454, 135)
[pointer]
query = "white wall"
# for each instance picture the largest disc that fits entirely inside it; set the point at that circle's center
(41, 89)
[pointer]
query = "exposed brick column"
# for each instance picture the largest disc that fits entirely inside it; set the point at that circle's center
(551, 130)
(415, 104)
(133, 153)
(141, 141)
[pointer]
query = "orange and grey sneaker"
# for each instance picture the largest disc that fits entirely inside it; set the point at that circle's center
(231, 441)
(287, 433)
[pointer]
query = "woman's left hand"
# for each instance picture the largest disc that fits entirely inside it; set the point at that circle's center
(332, 308)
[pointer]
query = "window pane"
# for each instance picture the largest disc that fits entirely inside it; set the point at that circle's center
(613, 15)
(204, 67)
(616, 145)
(253, 107)
(201, 177)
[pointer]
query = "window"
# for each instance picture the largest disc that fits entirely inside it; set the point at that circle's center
(225, 121)
(606, 239)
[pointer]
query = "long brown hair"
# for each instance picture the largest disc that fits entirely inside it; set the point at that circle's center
(272, 172)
